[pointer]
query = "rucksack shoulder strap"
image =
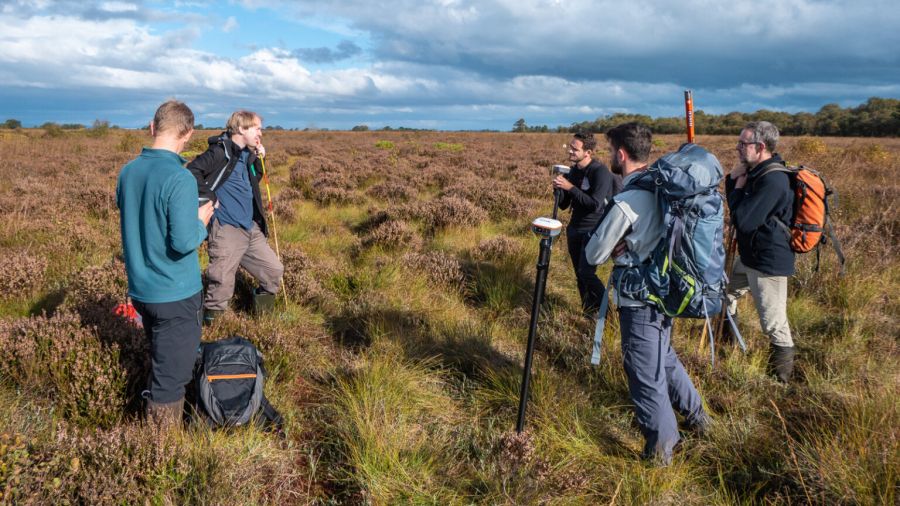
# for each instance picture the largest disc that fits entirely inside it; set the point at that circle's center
(272, 415)
(775, 167)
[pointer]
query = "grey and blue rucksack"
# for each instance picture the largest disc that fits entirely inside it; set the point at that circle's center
(685, 275)
(229, 380)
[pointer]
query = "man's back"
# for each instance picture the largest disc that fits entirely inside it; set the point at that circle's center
(157, 198)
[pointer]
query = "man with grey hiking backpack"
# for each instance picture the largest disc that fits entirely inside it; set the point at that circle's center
(655, 258)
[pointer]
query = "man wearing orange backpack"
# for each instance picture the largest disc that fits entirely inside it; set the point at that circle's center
(761, 201)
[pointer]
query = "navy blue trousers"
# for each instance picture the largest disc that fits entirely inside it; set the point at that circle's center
(657, 380)
(173, 329)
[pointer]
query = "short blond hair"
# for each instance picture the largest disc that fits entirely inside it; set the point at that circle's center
(173, 116)
(242, 119)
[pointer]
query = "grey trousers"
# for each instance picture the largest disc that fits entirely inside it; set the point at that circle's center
(657, 380)
(769, 294)
(231, 247)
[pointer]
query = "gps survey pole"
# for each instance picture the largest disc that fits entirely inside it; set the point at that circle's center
(689, 114)
(548, 229)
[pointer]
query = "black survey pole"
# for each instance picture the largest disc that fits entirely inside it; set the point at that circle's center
(540, 282)
(557, 194)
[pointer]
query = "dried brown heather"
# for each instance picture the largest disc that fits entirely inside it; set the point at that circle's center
(58, 357)
(20, 273)
(302, 278)
(93, 294)
(496, 248)
(392, 234)
(440, 268)
(499, 199)
(392, 191)
(450, 211)
(130, 463)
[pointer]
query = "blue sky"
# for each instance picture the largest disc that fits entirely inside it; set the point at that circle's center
(445, 64)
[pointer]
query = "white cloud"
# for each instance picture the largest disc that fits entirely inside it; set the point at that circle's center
(230, 25)
(476, 64)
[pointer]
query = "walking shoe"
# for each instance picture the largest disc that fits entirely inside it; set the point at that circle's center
(211, 315)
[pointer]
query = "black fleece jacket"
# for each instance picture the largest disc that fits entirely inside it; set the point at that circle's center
(763, 244)
(213, 167)
(594, 186)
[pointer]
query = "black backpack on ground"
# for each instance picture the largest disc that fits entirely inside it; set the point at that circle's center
(229, 379)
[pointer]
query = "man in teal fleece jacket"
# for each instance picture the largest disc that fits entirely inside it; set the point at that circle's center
(162, 227)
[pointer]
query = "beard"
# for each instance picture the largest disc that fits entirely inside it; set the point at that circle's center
(615, 167)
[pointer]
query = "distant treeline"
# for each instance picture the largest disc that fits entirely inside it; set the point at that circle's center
(878, 117)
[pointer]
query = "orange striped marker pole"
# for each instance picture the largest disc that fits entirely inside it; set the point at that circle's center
(689, 114)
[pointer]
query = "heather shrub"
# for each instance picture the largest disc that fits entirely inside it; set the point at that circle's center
(20, 273)
(500, 200)
(450, 211)
(302, 278)
(94, 294)
(60, 358)
(392, 234)
(440, 268)
(275, 158)
(132, 464)
(392, 190)
(334, 195)
(99, 202)
(496, 249)
(284, 211)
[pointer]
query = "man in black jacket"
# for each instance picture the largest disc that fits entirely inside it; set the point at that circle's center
(229, 172)
(761, 202)
(587, 188)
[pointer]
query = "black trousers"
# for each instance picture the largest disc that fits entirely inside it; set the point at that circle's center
(590, 288)
(173, 329)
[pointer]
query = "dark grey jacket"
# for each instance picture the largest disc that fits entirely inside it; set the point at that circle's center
(589, 205)
(763, 243)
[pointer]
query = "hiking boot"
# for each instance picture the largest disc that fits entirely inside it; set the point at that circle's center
(263, 301)
(165, 416)
(701, 426)
(211, 315)
(781, 362)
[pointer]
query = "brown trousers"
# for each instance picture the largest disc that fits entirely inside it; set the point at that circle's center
(231, 247)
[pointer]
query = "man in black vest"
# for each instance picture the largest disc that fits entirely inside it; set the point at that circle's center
(229, 173)
(587, 188)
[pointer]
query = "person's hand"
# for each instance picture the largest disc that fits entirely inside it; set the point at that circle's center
(562, 183)
(205, 213)
(260, 150)
(738, 171)
(620, 249)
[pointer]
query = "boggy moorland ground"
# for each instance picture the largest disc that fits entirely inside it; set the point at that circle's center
(397, 358)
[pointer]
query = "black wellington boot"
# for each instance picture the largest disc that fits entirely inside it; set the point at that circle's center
(263, 302)
(781, 362)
